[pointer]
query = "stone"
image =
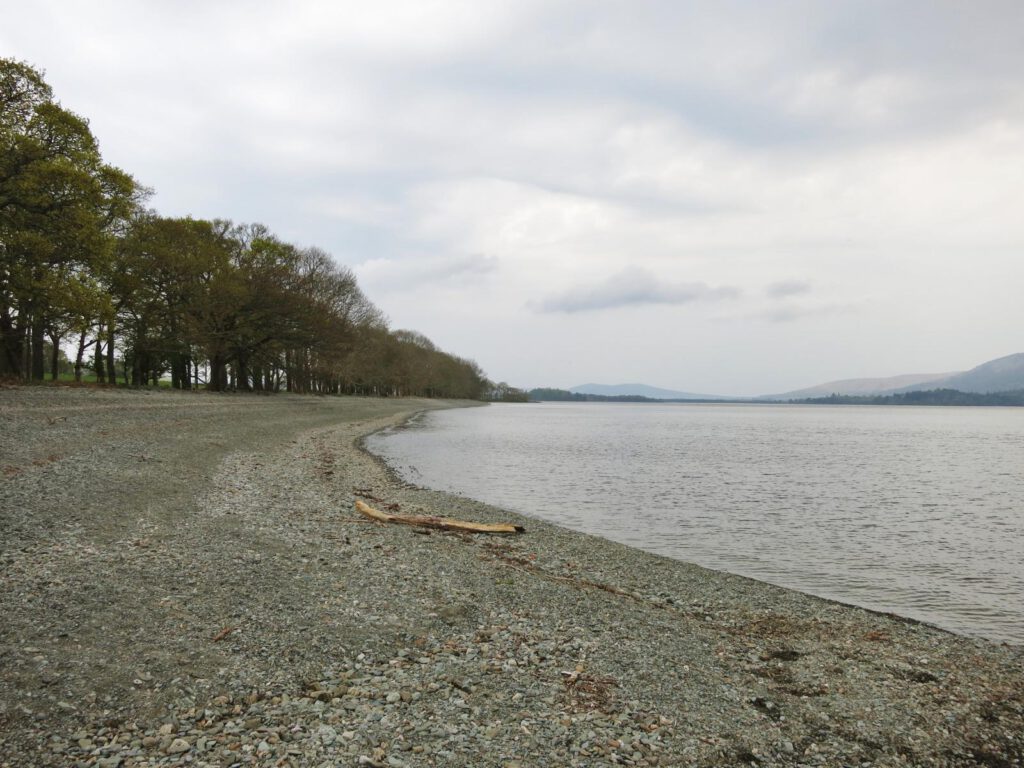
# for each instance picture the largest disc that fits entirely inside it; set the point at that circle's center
(326, 735)
(178, 746)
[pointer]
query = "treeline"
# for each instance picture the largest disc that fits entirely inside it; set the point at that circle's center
(549, 394)
(922, 397)
(139, 297)
(503, 393)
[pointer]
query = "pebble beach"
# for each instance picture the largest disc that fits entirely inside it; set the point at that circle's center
(185, 581)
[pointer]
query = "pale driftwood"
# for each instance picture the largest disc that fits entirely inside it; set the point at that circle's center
(430, 521)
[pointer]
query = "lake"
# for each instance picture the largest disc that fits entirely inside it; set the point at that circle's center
(910, 510)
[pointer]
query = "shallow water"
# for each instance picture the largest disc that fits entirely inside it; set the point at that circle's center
(916, 511)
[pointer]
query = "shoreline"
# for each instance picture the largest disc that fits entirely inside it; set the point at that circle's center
(967, 589)
(526, 519)
(353, 643)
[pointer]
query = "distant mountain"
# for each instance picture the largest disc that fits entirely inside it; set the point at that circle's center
(862, 387)
(642, 390)
(1000, 375)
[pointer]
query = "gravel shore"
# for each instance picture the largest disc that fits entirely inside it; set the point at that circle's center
(185, 582)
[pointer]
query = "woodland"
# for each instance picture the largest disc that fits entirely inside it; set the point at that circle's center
(93, 280)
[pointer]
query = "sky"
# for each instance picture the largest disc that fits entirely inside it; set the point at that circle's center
(737, 198)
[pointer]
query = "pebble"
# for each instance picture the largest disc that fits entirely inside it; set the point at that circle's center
(178, 746)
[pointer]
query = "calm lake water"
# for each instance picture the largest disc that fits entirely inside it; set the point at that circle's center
(917, 511)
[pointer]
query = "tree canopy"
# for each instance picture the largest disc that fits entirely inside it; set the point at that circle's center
(210, 304)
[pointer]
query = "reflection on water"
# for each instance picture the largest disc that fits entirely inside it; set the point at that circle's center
(917, 511)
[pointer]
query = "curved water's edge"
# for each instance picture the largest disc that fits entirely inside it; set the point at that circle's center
(405, 467)
(394, 474)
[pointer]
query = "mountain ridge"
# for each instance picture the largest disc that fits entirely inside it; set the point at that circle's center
(1001, 374)
(863, 386)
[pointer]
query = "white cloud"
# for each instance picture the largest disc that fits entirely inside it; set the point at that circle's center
(424, 272)
(785, 288)
(633, 286)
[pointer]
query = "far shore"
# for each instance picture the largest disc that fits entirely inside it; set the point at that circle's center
(186, 582)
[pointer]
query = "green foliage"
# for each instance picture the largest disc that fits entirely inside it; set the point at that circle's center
(210, 303)
(59, 210)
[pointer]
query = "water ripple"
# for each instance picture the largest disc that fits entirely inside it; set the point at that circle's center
(907, 510)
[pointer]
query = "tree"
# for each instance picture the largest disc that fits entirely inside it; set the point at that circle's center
(81, 259)
(57, 205)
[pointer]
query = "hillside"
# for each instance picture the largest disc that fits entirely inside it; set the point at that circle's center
(1000, 375)
(864, 387)
(1004, 374)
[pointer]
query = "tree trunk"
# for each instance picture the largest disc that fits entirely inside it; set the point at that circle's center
(242, 374)
(218, 374)
(97, 363)
(55, 357)
(38, 359)
(12, 336)
(80, 357)
(178, 371)
(111, 370)
(137, 362)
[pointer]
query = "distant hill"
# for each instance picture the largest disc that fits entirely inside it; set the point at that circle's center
(1004, 374)
(925, 397)
(640, 390)
(864, 387)
(1000, 375)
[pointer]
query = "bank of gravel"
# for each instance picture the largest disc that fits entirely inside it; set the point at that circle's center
(185, 583)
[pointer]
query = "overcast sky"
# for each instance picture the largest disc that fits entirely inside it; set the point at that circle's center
(736, 198)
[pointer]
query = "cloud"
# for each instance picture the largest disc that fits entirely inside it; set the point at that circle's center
(401, 274)
(786, 288)
(793, 313)
(633, 286)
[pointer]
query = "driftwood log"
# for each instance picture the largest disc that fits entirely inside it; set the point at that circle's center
(430, 521)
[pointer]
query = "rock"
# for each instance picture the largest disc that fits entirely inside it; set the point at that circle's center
(178, 746)
(326, 735)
